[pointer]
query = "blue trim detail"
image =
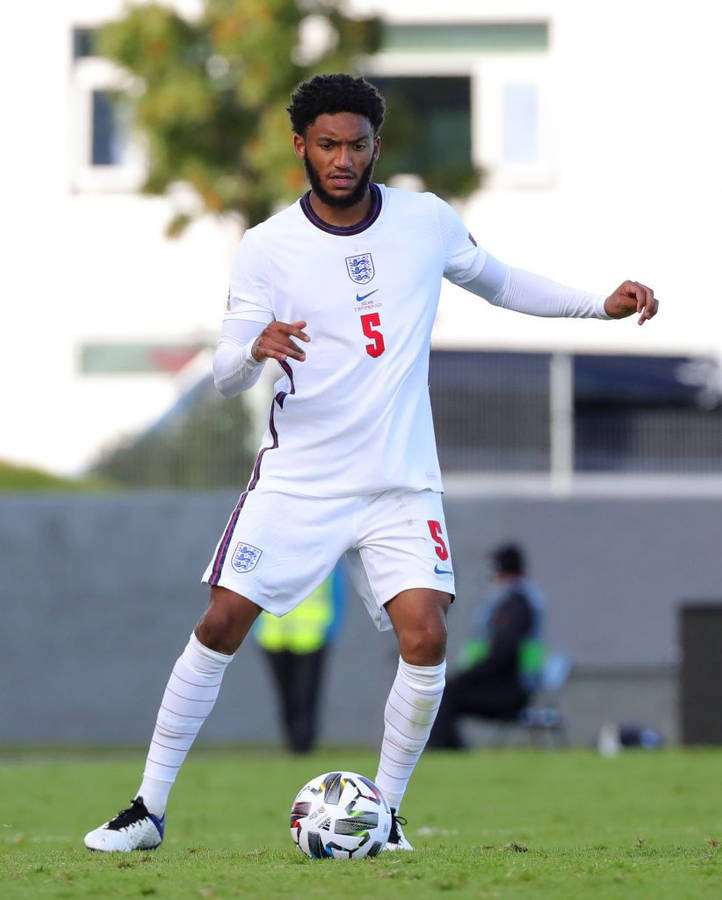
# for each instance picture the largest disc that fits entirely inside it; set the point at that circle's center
(159, 824)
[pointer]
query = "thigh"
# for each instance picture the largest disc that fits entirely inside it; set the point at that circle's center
(402, 545)
(277, 548)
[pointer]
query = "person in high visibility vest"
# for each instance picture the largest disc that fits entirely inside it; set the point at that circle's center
(295, 646)
(501, 664)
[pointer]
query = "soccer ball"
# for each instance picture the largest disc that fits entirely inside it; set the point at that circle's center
(340, 815)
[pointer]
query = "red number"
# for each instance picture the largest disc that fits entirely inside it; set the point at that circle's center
(435, 529)
(367, 323)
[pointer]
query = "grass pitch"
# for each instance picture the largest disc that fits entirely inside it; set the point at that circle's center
(487, 824)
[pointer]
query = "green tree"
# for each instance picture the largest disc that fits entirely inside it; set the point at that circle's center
(209, 95)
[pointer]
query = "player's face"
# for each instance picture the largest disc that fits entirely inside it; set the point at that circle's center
(339, 151)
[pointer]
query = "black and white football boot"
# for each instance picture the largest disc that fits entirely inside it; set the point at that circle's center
(132, 829)
(397, 840)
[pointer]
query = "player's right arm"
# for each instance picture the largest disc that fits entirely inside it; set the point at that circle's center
(244, 346)
(276, 342)
(250, 333)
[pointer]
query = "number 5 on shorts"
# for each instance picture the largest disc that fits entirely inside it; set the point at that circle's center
(435, 529)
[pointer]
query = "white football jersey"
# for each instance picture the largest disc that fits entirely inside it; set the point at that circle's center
(355, 416)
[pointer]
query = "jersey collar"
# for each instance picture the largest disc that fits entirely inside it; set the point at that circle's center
(346, 230)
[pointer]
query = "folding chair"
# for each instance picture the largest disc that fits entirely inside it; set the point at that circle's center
(542, 719)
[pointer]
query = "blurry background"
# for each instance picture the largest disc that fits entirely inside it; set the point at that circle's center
(579, 141)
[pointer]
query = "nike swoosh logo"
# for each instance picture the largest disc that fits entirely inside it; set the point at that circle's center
(364, 296)
(442, 571)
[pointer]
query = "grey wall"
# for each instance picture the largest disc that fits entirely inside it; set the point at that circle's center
(613, 570)
(99, 594)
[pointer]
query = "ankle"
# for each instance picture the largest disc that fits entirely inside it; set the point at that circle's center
(154, 795)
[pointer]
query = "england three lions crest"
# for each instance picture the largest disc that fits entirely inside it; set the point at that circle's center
(360, 268)
(245, 557)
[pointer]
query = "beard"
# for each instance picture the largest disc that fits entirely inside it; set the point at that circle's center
(356, 196)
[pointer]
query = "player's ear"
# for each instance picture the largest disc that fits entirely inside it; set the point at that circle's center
(299, 146)
(377, 146)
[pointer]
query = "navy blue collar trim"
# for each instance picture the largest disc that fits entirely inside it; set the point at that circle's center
(345, 230)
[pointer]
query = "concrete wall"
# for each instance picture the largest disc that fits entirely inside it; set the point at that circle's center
(99, 593)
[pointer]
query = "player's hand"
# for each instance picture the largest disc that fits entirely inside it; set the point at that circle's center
(629, 298)
(275, 342)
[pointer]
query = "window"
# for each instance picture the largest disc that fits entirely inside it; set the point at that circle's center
(83, 42)
(123, 358)
(104, 154)
(520, 123)
(110, 129)
(428, 130)
(482, 91)
(514, 120)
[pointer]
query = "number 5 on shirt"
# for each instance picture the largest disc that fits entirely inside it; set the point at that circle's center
(369, 323)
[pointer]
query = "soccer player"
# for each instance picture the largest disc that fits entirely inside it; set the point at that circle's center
(341, 289)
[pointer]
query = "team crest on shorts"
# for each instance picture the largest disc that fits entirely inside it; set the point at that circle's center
(245, 557)
(360, 268)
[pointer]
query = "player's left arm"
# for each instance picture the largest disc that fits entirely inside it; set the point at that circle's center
(629, 298)
(471, 267)
(535, 295)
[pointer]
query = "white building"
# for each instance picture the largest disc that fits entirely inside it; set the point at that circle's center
(596, 124)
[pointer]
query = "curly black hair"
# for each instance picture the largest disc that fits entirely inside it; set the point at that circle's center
(334, 94)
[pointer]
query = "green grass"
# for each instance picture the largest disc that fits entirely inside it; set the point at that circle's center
(25, 478)
(489, 824)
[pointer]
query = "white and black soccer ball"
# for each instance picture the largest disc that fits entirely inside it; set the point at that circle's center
(340, 815)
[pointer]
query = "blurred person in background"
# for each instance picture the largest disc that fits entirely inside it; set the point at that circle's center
(501, 663)
(341, 289)
(296, 649)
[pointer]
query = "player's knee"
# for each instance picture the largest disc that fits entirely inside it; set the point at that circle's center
(225, 623)
(425, 646)
(215, 631)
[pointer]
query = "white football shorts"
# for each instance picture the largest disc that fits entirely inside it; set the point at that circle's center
(277, 548)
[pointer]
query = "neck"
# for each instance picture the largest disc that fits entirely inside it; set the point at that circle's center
(341, 216)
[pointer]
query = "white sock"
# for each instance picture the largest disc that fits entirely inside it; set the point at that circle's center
(188, 699)
(410, 712)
